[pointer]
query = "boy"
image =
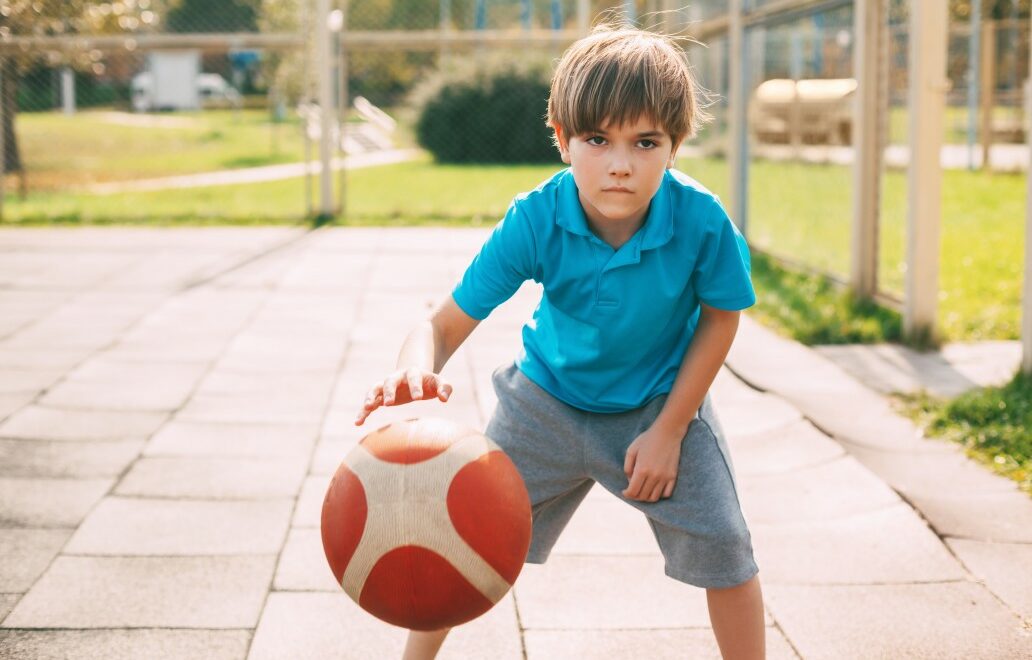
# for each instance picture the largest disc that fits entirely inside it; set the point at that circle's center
(644, 276)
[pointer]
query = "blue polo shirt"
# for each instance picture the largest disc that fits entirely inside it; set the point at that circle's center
(612, 326)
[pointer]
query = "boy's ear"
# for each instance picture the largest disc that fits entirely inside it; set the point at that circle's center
(560, 140)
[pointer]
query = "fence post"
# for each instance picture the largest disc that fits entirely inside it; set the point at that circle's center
(869, 26)
(324, 69)
(974, 81)
(340, 27)
(988, 92)
(3, 138)
(738, 136)
(1026, 299)
(928, 84)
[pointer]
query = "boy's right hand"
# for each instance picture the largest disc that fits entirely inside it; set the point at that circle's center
(404, 386)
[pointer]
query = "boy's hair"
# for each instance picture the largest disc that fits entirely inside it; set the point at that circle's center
(619, 75)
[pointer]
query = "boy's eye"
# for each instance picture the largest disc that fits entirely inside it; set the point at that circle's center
(647, 144)
(596, 140)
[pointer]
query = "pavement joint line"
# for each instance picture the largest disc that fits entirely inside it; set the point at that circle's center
(250, 259)
(117, 479)
(327, 408)
(899, 493)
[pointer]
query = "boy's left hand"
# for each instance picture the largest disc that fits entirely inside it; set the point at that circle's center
(651, 465)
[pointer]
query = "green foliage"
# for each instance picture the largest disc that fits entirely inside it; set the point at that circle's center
(813, 310)
(994, 424)
(487, 113)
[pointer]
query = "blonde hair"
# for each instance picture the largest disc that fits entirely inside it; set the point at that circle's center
(620, 75)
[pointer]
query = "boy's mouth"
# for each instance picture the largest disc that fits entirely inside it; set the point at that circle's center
(619, 189)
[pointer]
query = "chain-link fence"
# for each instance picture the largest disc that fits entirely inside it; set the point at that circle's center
(131, 110)
(166, 110)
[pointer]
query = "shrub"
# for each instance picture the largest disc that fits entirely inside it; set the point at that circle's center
(491, 112)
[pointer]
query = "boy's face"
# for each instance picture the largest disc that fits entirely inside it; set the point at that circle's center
(618, 169)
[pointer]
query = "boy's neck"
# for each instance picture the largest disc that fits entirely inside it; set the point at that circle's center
(613, 232)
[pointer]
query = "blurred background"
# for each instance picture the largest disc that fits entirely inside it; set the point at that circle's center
(209, 112)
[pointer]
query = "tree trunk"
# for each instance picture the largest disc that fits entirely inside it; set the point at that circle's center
(12, 155)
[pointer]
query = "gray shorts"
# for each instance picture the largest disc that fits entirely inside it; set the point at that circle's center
(561, 451)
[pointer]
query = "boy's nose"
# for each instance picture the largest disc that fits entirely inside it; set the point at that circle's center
(619, 165)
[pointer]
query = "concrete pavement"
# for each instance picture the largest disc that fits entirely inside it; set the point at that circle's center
(174, 402)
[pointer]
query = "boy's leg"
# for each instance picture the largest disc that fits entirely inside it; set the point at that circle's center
(736, 614)
(424, 645)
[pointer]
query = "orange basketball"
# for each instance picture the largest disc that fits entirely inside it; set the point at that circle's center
(426, 524)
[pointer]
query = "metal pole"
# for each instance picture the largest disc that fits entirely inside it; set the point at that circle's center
(928, 85)
(342, 107)
(324, 69)
(974, 69)
(738, 89)
(869, 27)
(1026, 300)
(306, 95)
(583, 20)
(3, 137)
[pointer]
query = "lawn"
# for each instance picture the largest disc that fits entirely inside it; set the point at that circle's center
(797, 211)
(104, 145)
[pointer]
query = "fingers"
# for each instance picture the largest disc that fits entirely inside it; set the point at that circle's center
(628, 464)
(415, 383)
(403, 387)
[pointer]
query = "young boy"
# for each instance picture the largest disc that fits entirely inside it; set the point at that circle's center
(644, 276)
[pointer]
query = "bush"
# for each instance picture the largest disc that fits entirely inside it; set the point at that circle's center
(486, 113)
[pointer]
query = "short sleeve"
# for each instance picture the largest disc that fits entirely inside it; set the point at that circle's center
(722, 271)
(504, 262)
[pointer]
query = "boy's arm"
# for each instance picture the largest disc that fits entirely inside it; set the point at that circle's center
(423, 354)
(652, 459)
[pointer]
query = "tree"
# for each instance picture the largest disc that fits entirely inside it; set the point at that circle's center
(213, 16)
(56, 18)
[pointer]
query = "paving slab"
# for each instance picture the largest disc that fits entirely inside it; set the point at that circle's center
(308, 512)
(7, 603)
(12, 403)
(215, 478)
(125, 644)
(125, 386)
(31, 502)
(889, 545)
(41, 358)
(838, 489)
(566, 593)
(324, 625)
(794, 447)
(244, 408)
(302, 565)
(61, 459)
(44, 423)
(26, 554)
(138, 526)
(183, 438)
(763, 414)
(927, 472)
(947, 620)
(948, 372)
(14, 381)
(329, 454)
(1005, 568)
(606, 526)
(663, 644)
(1003, 517)
(146, 592)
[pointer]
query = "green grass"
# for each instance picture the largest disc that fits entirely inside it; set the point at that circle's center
(798, 211)
(993, 424)
(813, 310)
(60, 151)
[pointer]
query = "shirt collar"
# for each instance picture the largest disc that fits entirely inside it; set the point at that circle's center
(658, 227)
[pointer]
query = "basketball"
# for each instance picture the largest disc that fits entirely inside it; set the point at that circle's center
(426, 524)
